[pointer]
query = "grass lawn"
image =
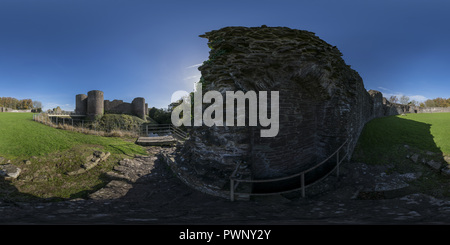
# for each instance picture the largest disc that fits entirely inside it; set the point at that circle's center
(440, 128)
(383, 138)
(53, 153)
(21, 137)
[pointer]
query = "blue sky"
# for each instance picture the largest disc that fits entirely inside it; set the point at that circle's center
(51, 50)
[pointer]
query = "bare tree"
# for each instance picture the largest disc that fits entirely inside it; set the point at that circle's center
(404, 100)
(414, 103)
(393, 99)
(37, 104)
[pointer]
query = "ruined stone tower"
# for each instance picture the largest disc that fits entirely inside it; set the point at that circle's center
(322, 103)
(81, 104)
(139, 106)
(95, 104)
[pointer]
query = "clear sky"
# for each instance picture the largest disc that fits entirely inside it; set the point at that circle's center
(51, 50)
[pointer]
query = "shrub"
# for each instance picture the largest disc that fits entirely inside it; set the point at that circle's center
(119, 122)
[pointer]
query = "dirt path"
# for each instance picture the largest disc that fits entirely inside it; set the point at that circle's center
(158, 197)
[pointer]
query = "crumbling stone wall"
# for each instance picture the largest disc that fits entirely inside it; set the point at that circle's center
(432, 109)
(118, 107)
(322, 103)
(5, 109)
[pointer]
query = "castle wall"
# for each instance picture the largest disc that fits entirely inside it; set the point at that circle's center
(5, 109)
(94, 105)
(118, 107)
(432, 109)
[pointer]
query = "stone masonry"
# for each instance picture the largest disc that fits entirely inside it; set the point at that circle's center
(322, 104)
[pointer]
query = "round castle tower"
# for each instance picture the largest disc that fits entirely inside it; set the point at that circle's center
(81, 104)
(138, 105)
(95, 103)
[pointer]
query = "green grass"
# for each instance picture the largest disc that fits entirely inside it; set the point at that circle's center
(54, 152)
(383, 139)
(21, 137)
(439, 130)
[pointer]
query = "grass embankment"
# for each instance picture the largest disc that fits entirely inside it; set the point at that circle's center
(52, 153)
(391, 141)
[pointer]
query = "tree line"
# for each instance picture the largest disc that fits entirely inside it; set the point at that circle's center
(15, 104)
(437, 102)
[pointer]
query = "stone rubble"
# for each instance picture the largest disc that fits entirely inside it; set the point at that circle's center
(159, 197)
(9, 171)
(91, 161)
(123, 176)
(431, 159)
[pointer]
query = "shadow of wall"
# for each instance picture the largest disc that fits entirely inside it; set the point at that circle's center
(383, 138)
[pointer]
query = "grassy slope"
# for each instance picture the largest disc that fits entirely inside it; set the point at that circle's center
(21, 137)
(53, 153)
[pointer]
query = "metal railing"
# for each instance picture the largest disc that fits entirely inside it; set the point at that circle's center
(234, 179)
(163, 129)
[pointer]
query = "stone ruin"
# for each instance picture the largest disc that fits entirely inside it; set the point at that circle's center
(322, 103)
(5, 109)
(93, 105)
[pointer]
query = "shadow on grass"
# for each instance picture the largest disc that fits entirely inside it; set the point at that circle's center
(388, 139)
(10, 194)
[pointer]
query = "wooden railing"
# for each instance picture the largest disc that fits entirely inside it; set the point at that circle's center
(234, 181)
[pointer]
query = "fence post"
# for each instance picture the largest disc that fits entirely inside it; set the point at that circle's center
(231, 189)
(303, 184)
(146, 130)
(337, 164)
